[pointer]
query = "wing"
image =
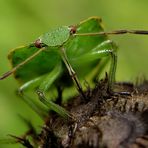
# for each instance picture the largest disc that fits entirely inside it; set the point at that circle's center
(39, 65)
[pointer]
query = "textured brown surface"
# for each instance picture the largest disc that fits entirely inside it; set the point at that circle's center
(104, 120)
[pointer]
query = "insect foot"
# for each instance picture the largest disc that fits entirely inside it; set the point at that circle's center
(25, 142)
(55, 107)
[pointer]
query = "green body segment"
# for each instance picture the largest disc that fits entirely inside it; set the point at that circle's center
(56, 37)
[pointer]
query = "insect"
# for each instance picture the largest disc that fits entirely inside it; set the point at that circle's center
(65, 54)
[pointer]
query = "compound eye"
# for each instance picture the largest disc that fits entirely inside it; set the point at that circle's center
(38, 43)
(73, 29)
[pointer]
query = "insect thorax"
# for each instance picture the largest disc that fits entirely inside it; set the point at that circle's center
(56, 37)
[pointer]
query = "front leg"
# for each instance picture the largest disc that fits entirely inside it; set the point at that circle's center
(72, 73)
(44, 87)
(43, 83)
(106, 49)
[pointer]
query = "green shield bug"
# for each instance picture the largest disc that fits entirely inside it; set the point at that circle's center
(77, 50)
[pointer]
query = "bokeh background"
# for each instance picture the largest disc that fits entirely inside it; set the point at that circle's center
(22, 21)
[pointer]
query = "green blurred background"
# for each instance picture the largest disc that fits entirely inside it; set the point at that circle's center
(22, 21)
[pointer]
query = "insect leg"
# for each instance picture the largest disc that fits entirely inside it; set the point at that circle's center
(72, 73)
(106, 49)
(43, 88)
(22, 92)
(24, 142)
(115, 32)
